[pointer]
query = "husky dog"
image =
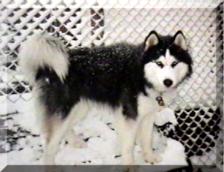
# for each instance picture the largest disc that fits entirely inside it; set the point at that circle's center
(127, 79)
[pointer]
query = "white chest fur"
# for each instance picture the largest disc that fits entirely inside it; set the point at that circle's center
(148, 105)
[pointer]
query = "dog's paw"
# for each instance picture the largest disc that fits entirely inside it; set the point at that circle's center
(152, 158)
(130, 168)
(127, 159)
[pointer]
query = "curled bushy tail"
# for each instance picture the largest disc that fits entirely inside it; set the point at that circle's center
(43, 51)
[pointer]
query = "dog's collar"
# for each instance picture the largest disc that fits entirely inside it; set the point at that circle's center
(160, 100)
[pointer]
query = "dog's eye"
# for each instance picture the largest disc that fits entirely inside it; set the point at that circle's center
(174, 63)
(159, 64)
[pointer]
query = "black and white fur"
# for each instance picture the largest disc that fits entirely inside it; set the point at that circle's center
(123, 78)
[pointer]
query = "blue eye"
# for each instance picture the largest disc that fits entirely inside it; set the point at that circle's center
(160, 64)
(174, 63)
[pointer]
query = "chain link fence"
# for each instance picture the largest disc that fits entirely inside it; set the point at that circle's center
(198, 104)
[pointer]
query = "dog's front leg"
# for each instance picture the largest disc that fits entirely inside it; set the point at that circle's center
(146, 138)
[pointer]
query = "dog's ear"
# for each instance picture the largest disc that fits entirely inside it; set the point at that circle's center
(151, 40)
(180, 40)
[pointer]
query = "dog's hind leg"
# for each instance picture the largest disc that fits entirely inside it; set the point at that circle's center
(126, 128)
(57, 128)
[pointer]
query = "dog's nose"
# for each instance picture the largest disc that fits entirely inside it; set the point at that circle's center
(168, 82)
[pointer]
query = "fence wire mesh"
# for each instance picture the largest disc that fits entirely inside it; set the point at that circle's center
(198, 104)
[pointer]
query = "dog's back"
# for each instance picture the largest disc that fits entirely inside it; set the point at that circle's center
(102, 74)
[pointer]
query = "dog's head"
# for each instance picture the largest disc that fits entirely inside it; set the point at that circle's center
(166, 60)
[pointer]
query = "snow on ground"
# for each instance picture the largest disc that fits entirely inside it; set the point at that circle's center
(25, 143)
